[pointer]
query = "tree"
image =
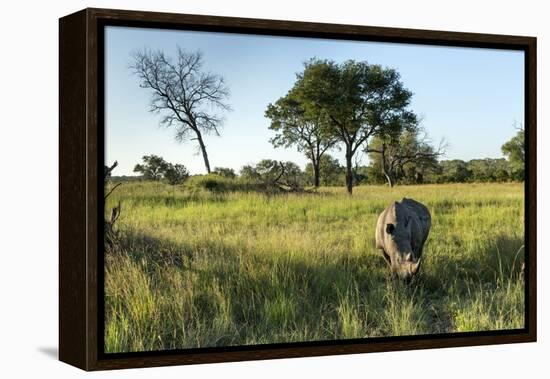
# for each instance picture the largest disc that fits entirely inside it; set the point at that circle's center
(274, 174)
(110, 233)
(373, 174)
(357, 100)
(331, 172)
(454, 171)
(183, 93)
(295, 126)
(176, 173)
(249, 172)
(488, 170)
(408, 154)
(153, 167)
(474, 170)
(292, 177)
(225, 172)
(107, 176)
(107, 170)
(514, 151)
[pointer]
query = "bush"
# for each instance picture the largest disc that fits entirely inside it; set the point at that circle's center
(218, 183)
(176, 173)
(225, 172)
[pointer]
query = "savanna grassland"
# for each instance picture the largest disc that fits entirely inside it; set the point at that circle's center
(197, 268)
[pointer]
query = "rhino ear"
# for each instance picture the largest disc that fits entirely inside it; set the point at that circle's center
(390, 228)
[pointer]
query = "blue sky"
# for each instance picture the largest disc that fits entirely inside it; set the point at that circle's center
(470, 97)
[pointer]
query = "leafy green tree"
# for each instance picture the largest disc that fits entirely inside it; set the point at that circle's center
(357, 100)
(360, 174)
(331, 172)
(454, 171)
(475, 170)
(373, 173)
(185, 94)
(176, 173)
(249, 172)
(488, 170)
(153, 167)
(293, 178)
(225, 172)
(514, 151)
(479, 169)
(296, 125)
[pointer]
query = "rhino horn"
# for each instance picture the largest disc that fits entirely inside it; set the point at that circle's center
(408, 257)
(415, 266)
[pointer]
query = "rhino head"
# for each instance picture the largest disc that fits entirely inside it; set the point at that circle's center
(401, 257)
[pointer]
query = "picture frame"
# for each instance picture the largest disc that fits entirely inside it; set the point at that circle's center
(81, 152)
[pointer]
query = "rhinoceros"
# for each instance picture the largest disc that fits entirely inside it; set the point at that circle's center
(401, 232)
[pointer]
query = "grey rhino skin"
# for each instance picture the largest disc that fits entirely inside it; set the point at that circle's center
(401, 232)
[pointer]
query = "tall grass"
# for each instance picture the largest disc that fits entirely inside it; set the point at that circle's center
(194, 268)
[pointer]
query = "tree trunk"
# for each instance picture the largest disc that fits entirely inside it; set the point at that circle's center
(316, 174)
(390, 179)
(349, 171)
(387, 171)
(203, 151)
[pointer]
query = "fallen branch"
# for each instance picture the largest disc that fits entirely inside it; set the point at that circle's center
(111, 191)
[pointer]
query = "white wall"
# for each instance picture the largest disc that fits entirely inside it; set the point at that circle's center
(28, 201)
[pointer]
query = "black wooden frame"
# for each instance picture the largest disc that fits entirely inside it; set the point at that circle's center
(81, 187)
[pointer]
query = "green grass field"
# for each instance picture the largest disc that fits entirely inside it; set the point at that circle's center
(194, 268)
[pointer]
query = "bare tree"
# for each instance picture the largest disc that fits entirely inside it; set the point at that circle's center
(183, 93)
(109, 231)
(285, 176)
(395, 152)
(107, 170)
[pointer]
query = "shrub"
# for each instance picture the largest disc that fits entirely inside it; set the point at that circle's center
(225, 172)
(176, 173)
